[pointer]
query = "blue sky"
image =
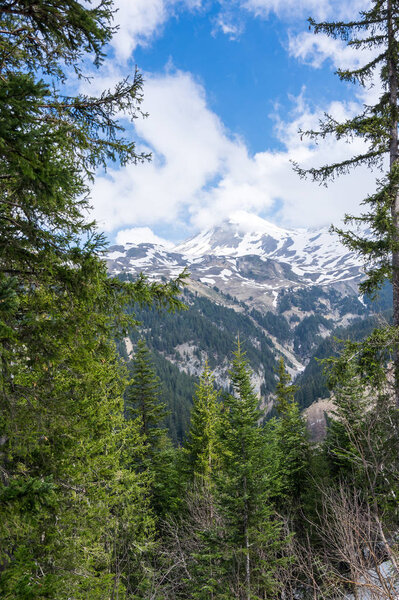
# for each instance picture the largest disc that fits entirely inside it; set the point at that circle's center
(244, 76)
(227, 86)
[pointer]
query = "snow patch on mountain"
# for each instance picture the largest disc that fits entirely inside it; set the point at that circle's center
(308, 252)
(247, 257)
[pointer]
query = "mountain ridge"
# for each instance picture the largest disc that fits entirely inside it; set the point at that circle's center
(249, 258)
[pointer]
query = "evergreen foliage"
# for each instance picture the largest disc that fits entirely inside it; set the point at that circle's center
(210, 327)
(274, 324)
(289, 444)
(178, 389)
(201, 444)
(377, 125)
(76, 515)
(159, 460)
(362, 443)
(307, 334)
(252, 535)
(199, 326)
(312, 384)
(201, 465)
(142, 397)
(95, 501)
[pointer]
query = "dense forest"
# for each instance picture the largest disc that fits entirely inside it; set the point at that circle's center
(99, 499)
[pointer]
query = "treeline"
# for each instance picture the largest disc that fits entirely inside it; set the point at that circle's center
(312, 384)
(218, 531)
(211, 329)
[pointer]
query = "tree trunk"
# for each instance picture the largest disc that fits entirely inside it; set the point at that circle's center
(393, 160)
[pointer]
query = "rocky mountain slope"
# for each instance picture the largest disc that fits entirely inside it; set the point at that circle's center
(248, 258)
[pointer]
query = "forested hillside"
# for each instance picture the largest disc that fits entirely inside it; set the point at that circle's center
(182, 342)
(139, 457)
(206, 331)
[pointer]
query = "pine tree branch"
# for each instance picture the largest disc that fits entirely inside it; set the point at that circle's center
(363, 73)
(329, 172)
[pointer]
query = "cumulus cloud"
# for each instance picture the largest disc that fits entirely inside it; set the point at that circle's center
(267, 179)
(139, 21)
(314, 50)
(189, 147)
(201, 172)
(139, 235)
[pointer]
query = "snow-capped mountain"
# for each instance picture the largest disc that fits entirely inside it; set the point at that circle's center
(316, 255)
(248, 258)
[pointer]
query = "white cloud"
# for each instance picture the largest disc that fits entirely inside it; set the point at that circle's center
(259, 182)
(189, 148)
(139, 235)
(318, 9)
(201, 171)
(232, 27)
(316, 49)
(139, 21)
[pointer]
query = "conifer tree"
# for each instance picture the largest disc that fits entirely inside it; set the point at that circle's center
(346, 423)
(64, 482)
(201, 463)
(285, 391)
(376, 29)
(362, 442)
(362, 448)
(159, 460)
(65, 487)
(201, 445)
(252, 535)
(142, 397)
(291, 446)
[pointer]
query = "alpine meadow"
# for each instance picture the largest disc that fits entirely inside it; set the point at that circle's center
(208, 409)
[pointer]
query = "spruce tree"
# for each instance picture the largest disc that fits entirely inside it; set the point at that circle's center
(362, 444)
(346, 423)
(142, 397)
(377, 126)
(252, 534)
(288, 445)
(159, 460)
(201, 446)
(74, 509)
(201, 464)
(66, 490)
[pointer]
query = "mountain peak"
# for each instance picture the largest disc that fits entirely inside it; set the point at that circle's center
(248, 257)
(250, 223)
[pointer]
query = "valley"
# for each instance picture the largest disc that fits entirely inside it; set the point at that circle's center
(286, 293)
